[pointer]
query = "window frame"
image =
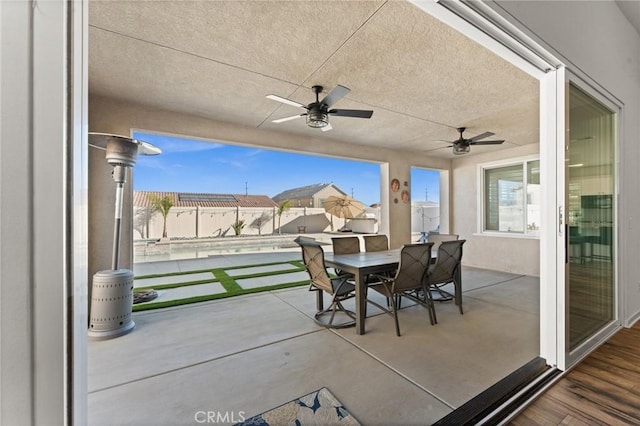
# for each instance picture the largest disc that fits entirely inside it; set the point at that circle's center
(481, 224)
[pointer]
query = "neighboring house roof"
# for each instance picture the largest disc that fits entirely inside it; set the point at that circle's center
(305, 191)
(193, 199)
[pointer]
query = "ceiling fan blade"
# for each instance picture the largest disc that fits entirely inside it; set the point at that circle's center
(326, 128)
(482, 136)
(358, 113)
(496, 142)
(285, 101)
(335, 95)
(293, 117)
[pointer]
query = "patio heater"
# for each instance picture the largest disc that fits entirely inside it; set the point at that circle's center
(112, 290)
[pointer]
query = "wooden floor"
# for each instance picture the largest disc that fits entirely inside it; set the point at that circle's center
(604, 389)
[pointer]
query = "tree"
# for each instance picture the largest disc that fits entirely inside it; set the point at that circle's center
(282, 207)
(162, 206)
(141, 221)
(237, 226)
(261, 221)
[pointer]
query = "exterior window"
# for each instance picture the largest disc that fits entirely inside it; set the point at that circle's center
(512, 198)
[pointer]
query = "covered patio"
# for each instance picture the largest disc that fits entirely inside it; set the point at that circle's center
(209, 81)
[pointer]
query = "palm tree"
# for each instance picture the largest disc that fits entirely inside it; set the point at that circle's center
(282, 207)
(162, 205)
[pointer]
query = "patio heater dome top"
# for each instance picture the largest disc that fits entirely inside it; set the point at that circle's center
(121, 150)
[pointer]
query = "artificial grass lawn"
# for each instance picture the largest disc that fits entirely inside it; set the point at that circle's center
(221, 276)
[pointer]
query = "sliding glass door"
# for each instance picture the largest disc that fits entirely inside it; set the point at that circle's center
(590, 273)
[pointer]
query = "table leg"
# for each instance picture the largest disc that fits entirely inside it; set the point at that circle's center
(361, 302)
(319, 300)
(458, 287)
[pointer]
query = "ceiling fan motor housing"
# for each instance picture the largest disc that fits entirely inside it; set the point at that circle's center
(461, 147)
(317, 116)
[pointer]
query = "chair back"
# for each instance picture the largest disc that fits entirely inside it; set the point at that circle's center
(414, 261)
(346, 245)
(376, 242)
(437, 238)
(313, 258)
(448, 261)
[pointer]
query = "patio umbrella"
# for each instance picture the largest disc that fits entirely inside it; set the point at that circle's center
(342, 206)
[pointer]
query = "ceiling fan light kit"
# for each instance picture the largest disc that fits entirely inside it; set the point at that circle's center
(318, 112)
(317, 119)
(460, 149)
(463, 146)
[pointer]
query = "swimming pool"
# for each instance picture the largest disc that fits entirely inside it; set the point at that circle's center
(195, 252)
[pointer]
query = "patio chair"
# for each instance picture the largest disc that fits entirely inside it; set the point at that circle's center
(409, 278)
(436, 238)
(446, 270)
(345, 245)
(376, 242)
(340, 289)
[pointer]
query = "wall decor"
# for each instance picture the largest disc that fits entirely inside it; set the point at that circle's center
(395, 185)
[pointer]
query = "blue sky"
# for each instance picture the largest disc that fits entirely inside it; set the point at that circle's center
(188, 165)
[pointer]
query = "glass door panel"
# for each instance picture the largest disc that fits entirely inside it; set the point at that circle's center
(591, 217)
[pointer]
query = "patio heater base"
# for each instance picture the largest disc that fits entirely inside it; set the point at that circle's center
(111, 302)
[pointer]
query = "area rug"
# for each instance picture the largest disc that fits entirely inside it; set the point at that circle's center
(317, 408)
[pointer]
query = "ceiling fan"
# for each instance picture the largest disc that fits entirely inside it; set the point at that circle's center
(462, 145)
(318, 112)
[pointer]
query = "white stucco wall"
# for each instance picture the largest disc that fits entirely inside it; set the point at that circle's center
(214, 222)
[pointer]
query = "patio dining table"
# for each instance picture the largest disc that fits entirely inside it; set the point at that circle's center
(360, 265)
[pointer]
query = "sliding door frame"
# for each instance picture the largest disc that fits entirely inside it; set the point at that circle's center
(567, 357)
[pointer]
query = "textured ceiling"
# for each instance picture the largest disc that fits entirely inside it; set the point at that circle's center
(219, 59)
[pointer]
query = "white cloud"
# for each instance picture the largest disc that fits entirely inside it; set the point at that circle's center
(238, 164)
(157, 164)
(254, 152)
(171, 144)
(246, 160)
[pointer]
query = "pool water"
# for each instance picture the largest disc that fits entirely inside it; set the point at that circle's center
(200, 252)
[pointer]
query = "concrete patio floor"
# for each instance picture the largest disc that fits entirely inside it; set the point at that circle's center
(244, 355)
